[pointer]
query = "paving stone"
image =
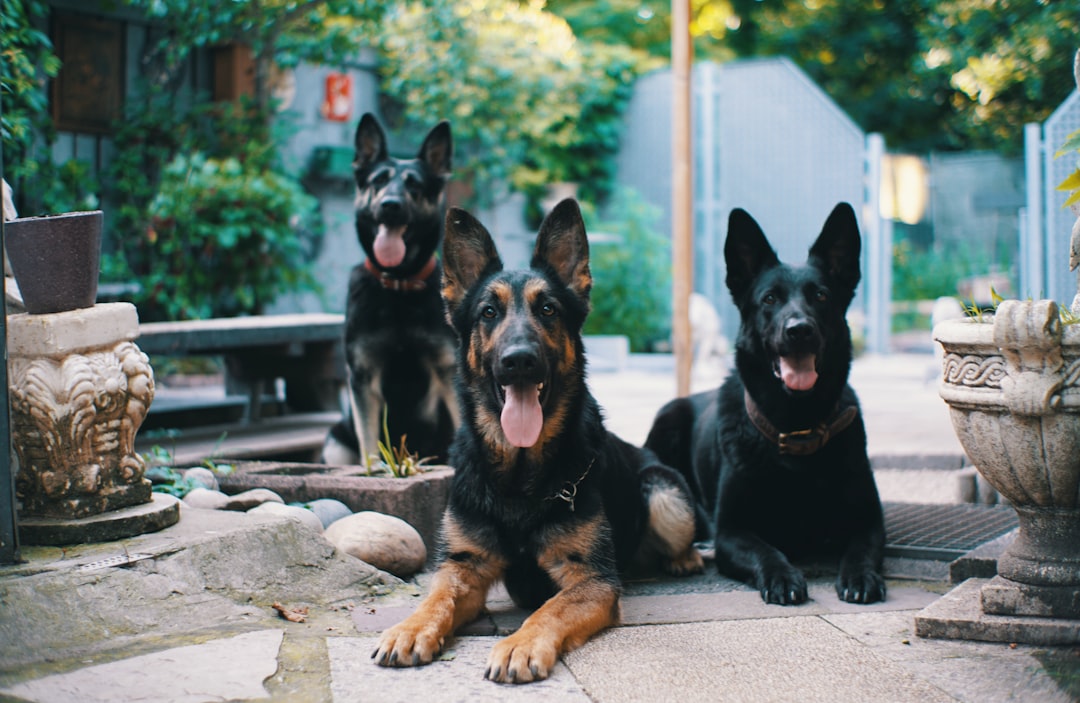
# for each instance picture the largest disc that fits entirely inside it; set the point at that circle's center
(222, 669)
(457, 676)
(781, 659)
(970, 671)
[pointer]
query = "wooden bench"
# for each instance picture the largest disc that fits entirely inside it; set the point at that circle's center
(305, 350)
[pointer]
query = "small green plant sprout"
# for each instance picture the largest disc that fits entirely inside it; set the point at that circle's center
(397, 461)
(975, 312)
(167, 479)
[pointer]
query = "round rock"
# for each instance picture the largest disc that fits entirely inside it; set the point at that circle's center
(384, 541)
(302, 515)
(329, 510)
(203, 477)
(206, 499)
(249, 499)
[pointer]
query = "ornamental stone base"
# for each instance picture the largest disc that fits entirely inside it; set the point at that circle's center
(80, 389)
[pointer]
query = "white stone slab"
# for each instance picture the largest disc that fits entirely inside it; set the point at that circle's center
(224, 669)
(63, 333)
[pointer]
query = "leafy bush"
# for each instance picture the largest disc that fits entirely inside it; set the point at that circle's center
(631, 292)
(26, 63)
(530, 103)
(225, 239)
(927, 274)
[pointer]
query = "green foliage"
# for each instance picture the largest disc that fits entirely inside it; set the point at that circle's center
(530, 104)
(1071, 147)
(226, 237)
(281, 32)
(174, 482)
(1006, 63)
(928, 274)
(26, 63)
(582, 150)
(466, 61)
(67, 187)
(631, 292)
(928, 74)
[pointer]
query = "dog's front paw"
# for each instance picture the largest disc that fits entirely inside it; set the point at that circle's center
(404, 645)
(860, 586)
(519, 659)
(783, 586)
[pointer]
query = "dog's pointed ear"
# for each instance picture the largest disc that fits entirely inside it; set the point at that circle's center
(838, 247)
(746, 252)
(370, 142)
(468, 254)
(563, 247)
(437, 149)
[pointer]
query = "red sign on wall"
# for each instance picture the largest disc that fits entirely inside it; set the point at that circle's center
(337, 97)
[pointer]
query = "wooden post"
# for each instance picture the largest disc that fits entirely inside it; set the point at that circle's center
(682, 213)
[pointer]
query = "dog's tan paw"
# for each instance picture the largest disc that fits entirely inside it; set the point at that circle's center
(521, 660)
(403, 645)
(689, 562)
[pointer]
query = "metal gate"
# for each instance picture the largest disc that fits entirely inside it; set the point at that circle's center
(768, 140)
(1045, 237)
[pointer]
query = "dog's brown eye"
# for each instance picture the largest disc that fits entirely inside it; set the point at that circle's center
(822, 296)
(488, 311)
(769, 299)
(548, 310)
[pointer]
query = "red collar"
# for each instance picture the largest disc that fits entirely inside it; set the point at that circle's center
(415, 282)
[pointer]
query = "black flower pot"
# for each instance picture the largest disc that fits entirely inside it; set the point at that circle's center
(56, 260)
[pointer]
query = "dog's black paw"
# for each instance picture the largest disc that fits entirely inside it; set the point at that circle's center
(860, 587)
(783, 586)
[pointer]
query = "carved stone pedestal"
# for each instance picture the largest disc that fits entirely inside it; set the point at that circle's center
(80, 389)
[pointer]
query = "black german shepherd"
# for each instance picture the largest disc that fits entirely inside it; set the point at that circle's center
(777, 454)
(543, 498)
(399, 348)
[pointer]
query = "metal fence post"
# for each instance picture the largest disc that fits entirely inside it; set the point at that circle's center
(9, 533)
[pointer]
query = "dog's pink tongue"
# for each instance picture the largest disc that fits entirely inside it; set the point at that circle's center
(798, 372)
(390, 246)
(522, 417)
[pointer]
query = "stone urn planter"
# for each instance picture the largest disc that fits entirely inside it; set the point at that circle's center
(55, 260)
(1012, 383)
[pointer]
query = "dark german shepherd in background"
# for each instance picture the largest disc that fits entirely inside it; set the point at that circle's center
(543, 497)
(777, 454)
(399, 348)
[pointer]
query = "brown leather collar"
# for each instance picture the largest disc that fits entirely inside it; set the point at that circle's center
(416, 282)
(801, 442)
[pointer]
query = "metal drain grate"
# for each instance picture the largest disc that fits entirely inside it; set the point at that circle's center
(120, 560)
(943, 532)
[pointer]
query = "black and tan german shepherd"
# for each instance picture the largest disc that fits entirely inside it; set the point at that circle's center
(777, 455)
(399, 348)
(543, 498)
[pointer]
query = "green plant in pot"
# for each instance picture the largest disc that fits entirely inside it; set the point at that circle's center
(1012, 383)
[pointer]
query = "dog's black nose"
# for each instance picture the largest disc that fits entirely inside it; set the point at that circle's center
(798, 330)
(518, 363)
(391, 205)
